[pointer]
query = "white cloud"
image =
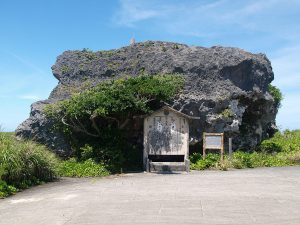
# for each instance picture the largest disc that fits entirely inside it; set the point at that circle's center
(209, 18)
(133, 11)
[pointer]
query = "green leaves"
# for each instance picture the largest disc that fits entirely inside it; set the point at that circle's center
(88, 168)
(281, 150)
(276, 94)
(119, 98)
(287, 141)
(98, 116)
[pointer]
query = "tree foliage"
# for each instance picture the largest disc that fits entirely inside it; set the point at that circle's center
(102, 112)
(276, 94)
(114, 101)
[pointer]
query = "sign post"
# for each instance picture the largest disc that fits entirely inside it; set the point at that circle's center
(230, 146)
(213, 141)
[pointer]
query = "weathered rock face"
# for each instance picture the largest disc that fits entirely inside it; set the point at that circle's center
(225, 87)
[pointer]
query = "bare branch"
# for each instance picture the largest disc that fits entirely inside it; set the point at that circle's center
(124, 123)
(115, 119)
(78, 128)
(94, 124)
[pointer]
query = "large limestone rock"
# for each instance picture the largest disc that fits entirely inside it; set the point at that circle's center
(225, 87)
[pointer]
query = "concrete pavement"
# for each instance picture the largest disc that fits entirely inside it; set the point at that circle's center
(266, 196)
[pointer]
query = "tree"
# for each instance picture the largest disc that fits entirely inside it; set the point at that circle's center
(102, 113)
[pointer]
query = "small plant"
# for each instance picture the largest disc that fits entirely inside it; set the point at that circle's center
(90, 55)
(227, 113)
(87, 50)
(107, 53)
(276, 94)
(147, 44)
(241, 160)
(175, 46)
(224, 164)
(294, 158)
(65, 69)
(87, 152)
(6, 190)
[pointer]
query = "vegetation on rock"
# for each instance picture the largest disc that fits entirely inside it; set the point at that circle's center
(95, 121)
(276, 94)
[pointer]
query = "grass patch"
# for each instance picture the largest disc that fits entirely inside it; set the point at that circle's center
(281, 150)
(88, 168)
(23, 164)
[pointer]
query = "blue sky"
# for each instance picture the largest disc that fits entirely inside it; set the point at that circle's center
(34, 33)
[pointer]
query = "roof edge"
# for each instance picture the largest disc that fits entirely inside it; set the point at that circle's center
(171, 109)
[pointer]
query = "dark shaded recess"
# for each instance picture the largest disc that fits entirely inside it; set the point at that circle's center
(239, 75)
(166, 158)
(253, 113)
(178, 70)
(271, 130)
(211, 104)
(196, 148)
(109, 73)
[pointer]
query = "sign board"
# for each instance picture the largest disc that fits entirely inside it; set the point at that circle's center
(213, 141)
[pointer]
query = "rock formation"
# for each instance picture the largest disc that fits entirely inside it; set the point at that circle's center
(225, 87)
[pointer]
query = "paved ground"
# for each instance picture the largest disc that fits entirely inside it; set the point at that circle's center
(253, 196)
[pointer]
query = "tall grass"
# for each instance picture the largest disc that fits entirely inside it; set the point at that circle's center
(24, 163)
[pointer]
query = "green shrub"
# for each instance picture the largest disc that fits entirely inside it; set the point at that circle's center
(195, 157)
(281, 150)
(293, 158)
(287, 141)
(224, 164)
(24, 163)
(210, 161)
(269, 146)
(276, 94)
(88, 168)
(241, 160)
